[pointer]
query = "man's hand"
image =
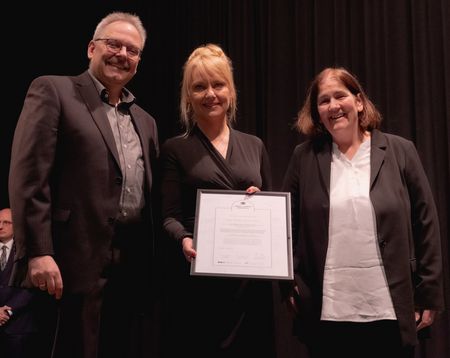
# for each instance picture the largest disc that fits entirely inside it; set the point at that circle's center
(45, 274)
(4, 316)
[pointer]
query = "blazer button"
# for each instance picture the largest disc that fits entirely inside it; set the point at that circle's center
(118, 180)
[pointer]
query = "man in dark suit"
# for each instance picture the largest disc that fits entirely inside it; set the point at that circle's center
(17, 325)
(80, 191)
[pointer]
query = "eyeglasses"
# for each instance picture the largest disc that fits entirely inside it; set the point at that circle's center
(115, 46)
(5, 222)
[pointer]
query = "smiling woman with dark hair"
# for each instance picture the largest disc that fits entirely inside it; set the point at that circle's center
(368, 272)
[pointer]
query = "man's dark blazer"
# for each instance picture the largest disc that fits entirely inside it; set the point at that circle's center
(19, 299)
(406, 219)
(65, 179)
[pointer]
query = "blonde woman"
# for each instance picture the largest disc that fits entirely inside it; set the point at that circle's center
(225, 317)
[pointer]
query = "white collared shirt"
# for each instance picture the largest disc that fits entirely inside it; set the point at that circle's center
(355, 287)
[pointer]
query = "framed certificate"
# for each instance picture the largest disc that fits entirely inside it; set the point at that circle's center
(242, 235)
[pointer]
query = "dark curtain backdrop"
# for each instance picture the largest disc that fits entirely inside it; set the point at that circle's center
(399, 49)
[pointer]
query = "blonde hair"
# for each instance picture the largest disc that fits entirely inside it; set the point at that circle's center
(208, 59)
(121, 16)
(308, 120)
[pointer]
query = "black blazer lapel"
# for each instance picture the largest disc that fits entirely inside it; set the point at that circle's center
(324, 164)
(378, 152)
(90, 95)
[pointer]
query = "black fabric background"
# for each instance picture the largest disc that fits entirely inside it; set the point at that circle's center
(400, 51)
